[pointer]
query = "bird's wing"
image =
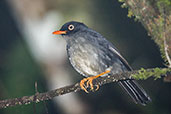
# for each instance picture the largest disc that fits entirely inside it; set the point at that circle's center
(102, 43)
(120, 57)
(115, 51)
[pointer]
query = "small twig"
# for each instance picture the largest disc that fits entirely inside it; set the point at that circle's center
(74, 88)
(35, 85)
(34, 104)
(166, 53)
(165, 43)
(44, 102)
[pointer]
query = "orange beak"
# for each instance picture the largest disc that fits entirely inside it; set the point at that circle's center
(59, 32)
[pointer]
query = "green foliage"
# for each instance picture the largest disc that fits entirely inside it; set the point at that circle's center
(123, 5)
(163, 5)
(121, 0)
(166, 2)
(158, 36)
(144, 74)
(130, 12)
(156, 24)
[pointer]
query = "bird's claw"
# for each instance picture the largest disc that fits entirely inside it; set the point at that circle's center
(89, 82)
(82, 84)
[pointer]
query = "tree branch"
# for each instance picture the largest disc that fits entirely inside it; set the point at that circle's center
(139, 75)
(155, 16)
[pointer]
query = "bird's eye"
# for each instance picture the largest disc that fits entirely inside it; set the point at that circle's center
(71, 27)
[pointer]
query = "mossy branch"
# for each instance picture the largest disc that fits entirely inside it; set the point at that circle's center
(155, 16)
(138, 75)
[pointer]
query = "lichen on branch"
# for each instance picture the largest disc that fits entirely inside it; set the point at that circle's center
(38, 97)
(155, 16)
(157, 73)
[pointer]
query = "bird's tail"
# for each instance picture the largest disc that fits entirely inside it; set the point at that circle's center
(136, 92)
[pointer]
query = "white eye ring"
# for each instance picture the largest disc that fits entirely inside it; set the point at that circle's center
(71, 27)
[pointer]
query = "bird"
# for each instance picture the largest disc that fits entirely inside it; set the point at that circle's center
(93, 56)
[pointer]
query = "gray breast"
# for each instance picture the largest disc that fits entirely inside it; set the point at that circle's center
(90, 58)
(84, 57)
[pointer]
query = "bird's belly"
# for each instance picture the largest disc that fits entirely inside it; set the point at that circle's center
(85, 61)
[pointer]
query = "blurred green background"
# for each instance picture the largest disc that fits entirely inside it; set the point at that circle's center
(19, 70)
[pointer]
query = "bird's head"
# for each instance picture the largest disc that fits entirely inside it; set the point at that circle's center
(71, 28)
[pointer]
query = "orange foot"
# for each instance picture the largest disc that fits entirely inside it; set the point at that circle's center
(89, 81)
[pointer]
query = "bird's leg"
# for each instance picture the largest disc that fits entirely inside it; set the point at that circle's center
(90, 81)
(82, 85)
